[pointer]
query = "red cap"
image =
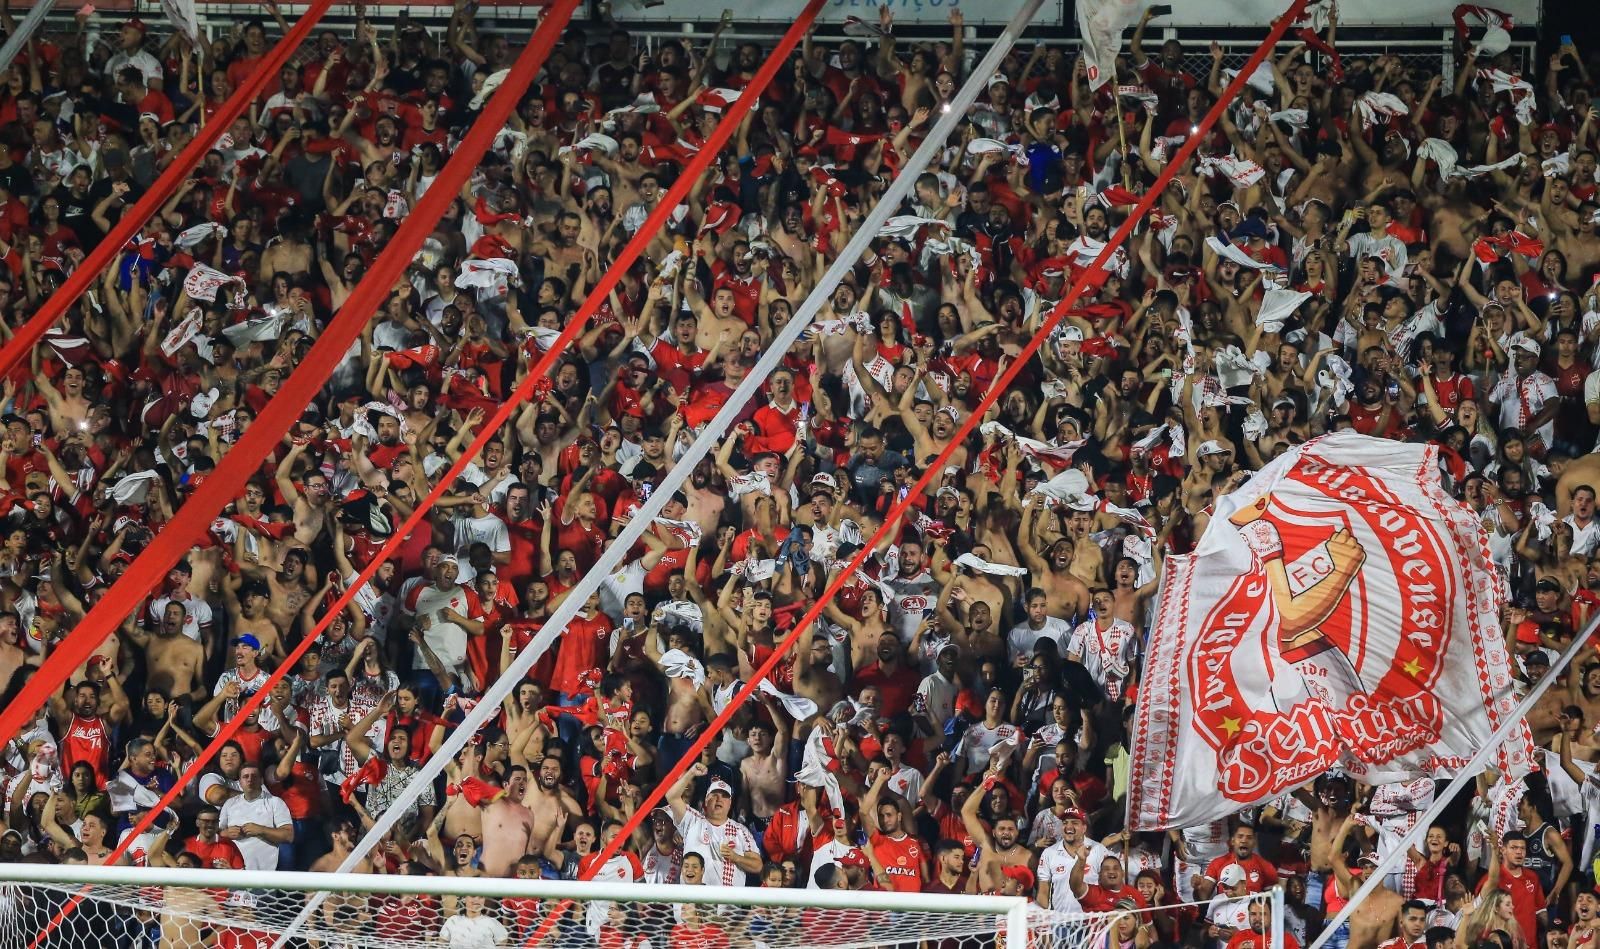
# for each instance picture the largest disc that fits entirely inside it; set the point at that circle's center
(855, 858)
(1073, 813)
(1021, 874)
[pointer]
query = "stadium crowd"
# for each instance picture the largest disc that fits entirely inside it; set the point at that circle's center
(1362, 242)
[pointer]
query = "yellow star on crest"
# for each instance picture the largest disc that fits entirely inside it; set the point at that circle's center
(1231, 726)
(1412, 667)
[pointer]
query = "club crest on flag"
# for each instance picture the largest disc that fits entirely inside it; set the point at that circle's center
(1340, 611)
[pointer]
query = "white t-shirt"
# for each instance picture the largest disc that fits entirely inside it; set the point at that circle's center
(1520, 401)
(487, 529)
(1055, 868)
(266, 810)
(1585, 538)
(196, 614)
(701, 837)
(1230, 911)
(1386, 246)
(473, 932)
(1019, 642)
(447, 640)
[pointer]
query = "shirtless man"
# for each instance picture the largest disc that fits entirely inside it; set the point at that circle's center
(312, 508)
(813, 679)
(171, 655)
(247, 611)
(546, 799)
(343, 838)
(69, 410)
(1131, 600)
(1583, 689)
(766, 768)
(289, 252)
(1001, 849)
(863, 632)
(288, 586)
(1068, 596)
(13, 655)
(507, 827)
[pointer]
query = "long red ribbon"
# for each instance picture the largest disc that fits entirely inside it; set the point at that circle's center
(86, 274)
(194, 518)
(937, 467)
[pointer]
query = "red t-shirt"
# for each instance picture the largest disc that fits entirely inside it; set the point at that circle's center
(897, 688)
(1250, 939)
(902, 861)
(1098, 899)
(1259, 875)
(581, 647)
(224, 852)
(1527, 899)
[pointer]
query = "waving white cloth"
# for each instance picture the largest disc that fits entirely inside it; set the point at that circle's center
(685, 612)
(1056, 456)
(1260, 80)
(816, 764)
(1241, 171)
(1522, 96)
(1277, 306)
(678, 664)
(1233, 368)
(133, 488)
(974, 562)
(1236, 254)
(1069, 487)
(490, 84)
(798, 707)
(1374, 106)
(192, 237)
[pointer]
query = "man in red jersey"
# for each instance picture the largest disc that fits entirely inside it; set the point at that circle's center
(899, 861)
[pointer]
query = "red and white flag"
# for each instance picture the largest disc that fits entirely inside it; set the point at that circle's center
(1100, 23)
(1340, 611)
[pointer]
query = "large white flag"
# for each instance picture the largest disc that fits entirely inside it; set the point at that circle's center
(1340, 611)
(182, 14)
(1101, 23)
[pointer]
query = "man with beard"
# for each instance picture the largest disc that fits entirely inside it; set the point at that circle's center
(998, 850)
(171, 658)
(790, 236)
(1068, 596)
(915, 591)
(563, 257)
(550, 804)
(1058, 863)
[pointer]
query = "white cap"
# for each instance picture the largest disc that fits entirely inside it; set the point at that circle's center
(1073, 334)
(717, 784)
(1527, 344)
(1231, 875)
(1212, 447)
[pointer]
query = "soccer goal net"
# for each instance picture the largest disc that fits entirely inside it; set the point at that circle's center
(77, 907)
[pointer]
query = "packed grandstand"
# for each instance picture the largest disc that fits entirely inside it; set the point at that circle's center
(900, 373)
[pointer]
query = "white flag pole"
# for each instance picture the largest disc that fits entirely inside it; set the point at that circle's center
(1470, 770)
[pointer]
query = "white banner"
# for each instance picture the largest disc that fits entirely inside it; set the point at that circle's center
(831, 19)
(1101, 24)
(1256, 14)
(1352, 13)
(1340, 611)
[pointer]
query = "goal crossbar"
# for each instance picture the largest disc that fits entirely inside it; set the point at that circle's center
(496, 888)
(389, 911)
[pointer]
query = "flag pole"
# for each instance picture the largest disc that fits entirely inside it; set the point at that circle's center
(1470, 770)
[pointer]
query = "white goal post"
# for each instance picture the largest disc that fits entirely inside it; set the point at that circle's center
(382, 911)
(80, 907)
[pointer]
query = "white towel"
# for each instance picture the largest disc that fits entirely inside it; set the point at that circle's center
(678, 664)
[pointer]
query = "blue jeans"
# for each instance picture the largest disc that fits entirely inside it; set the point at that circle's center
(670, 749)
